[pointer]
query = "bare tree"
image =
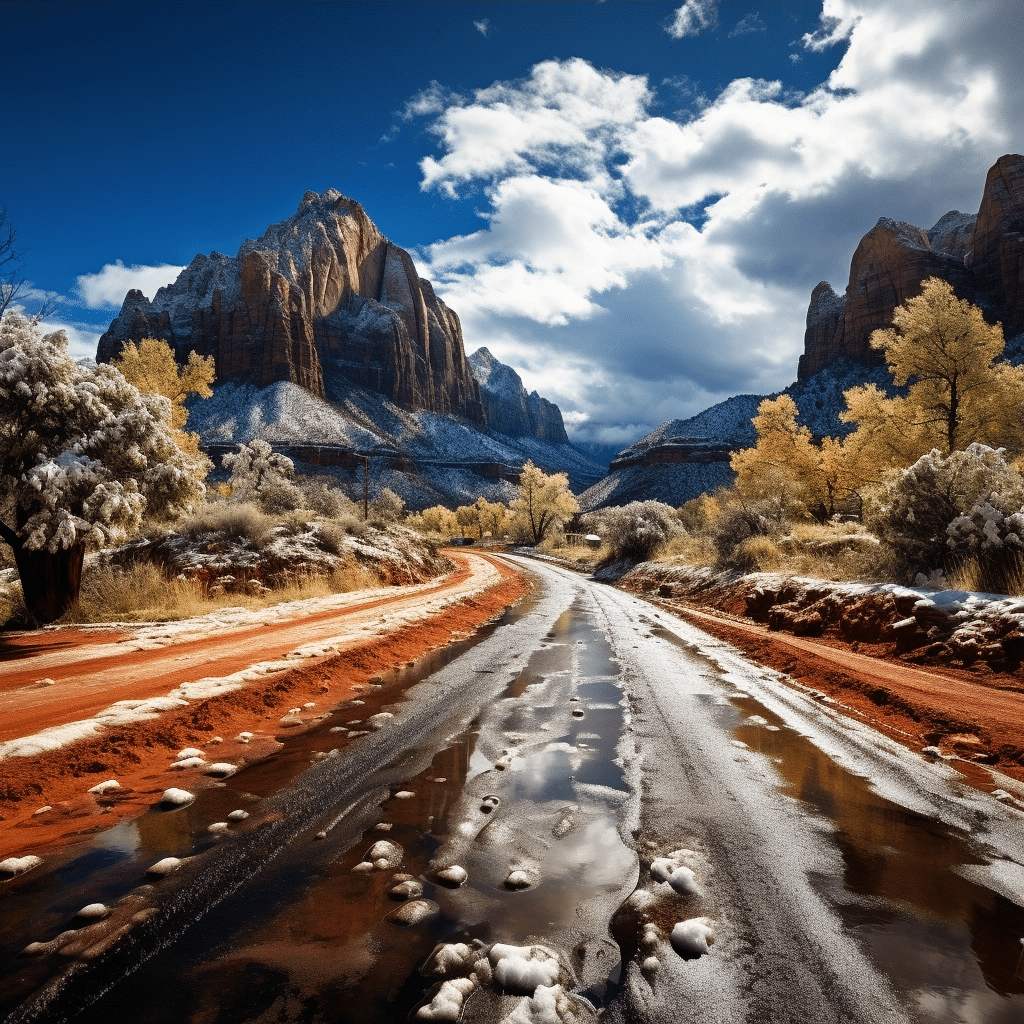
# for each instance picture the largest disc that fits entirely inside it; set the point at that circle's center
(11, 261)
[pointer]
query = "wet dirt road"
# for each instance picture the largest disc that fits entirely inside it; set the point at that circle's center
(525, 798)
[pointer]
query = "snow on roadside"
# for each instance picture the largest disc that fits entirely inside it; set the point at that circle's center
(374, 623)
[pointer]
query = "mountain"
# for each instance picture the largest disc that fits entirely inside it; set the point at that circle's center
(330, 346)
(978, 254)
(508, 408)
(322, 300)
(981, 255)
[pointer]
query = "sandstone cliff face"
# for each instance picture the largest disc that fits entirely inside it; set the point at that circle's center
(979, 256)
(509, 409)
(321, 299)
(997, 243)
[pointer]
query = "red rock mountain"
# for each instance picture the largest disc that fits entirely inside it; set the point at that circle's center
(322, 299)
(980, 256)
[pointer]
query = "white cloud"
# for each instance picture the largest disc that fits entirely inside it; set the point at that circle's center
(82, 338)
(631, 260)
(483, 26)
(692, 18)
(107, 288)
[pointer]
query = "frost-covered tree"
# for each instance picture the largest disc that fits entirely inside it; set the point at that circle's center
(261, 475)
(151, 366)
(387, 507)
(84, 457)
(957, 394)
(544, 502)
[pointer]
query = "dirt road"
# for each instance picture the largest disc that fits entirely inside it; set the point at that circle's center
(80, 707)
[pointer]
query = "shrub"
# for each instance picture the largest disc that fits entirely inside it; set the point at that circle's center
(948, 510)
(238, 519)
(636, 531)
(742, 521)
(331, 502)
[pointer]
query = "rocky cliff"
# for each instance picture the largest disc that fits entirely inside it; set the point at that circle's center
(508, 407)
(979, 255)
(322, 300)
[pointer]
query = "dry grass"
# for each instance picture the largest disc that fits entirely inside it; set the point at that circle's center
(142, 592)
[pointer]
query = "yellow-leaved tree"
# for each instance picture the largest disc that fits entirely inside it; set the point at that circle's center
(544, 501)
(786, 463)
(942, 349)
(150, 366)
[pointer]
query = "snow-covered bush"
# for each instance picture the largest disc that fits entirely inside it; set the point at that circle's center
(260, 474)
(387, 507)
(86, 457)
(948, 509)
(331, 502)
(635, 531)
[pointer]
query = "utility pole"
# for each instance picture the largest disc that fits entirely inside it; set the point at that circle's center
(366, 487)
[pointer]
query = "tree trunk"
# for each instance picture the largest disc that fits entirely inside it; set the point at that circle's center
(51, 581)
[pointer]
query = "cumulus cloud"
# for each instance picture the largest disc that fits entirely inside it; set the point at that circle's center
(692, 18)
(483, 26)
(634, 260)
(107, 288)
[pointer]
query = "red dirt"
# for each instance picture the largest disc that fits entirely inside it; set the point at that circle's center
(137, 754)
(966, 714)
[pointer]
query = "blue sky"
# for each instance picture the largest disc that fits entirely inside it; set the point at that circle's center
(629, 202)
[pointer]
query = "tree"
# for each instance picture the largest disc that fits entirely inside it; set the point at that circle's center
(84, 456)
(11, 281)
(151, 366)
(436, 519)
(544, 501)
(942, 349)
(260, 474)
(786, 463)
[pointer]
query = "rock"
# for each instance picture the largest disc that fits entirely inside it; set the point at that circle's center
(998, 237)
(414, 912)
(322, 299)
(509, 409)
(18, 865)
(980, 256)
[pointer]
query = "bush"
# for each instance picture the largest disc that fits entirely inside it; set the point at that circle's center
(237, 519)
(944, 512)
(636, 531)
(739, 523)
(331, 502)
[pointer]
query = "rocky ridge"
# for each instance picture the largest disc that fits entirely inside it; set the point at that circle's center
(508, 407)
(979, 255)
(321, 299)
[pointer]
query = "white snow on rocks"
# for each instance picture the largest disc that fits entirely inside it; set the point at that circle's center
(164, 867)
(94, 911)
(522, 969)
(382, 856)
(189, 752)
(222, 769)
(448, 1000)
(678, 869)
(415, 912)
(176, 797)
(453, 876)
(19, 865)
(105, 787)
(188, 762)
(693, 937)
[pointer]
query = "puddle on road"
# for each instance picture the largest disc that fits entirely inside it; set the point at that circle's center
(309, 939)
(950, 946)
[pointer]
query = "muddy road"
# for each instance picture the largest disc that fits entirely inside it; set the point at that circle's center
(593, 810)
